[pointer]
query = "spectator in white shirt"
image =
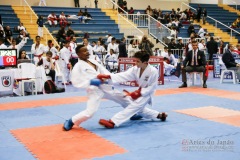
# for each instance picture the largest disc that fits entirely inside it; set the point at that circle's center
(19, 45)
(132, 48)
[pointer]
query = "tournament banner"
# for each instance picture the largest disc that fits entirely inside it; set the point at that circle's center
(155, 61)
(6, 78)
(217, 69)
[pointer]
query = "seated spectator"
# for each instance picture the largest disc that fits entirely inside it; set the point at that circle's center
(111, 61)
(22, 55)
(202, 45)
(47, 64)
(2, 45)
(168, 68)
(173, 32)
(21, 27)
(2, 32)
(132, 48)
(61, 36)
(52, 19)
(172, 44)
(183, 16)
(87, 16)
(99, 50)
(176, 23)
(70, 32)
(191, 29)
(63, 20)
(229, 60)
(8, 35)
(201, 32)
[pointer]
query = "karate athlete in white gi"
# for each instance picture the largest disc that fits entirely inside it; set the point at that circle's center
(37, 50)
(147, 78)
(83, 72)
(87, 69)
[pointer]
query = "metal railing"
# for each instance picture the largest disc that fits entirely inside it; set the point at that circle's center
(156, 29)
(25, 4)
(229, 2)
(217, 23)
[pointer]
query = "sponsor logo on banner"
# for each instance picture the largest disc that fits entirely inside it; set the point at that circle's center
(6, 81)
(129, 66)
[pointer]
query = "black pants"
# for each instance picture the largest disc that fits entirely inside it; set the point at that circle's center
(193, 69)
(76, 3)
(52, 74)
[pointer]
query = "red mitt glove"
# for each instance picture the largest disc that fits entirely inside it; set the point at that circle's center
(56, 57)
(135, 94)
(102, 77)
(69, 66)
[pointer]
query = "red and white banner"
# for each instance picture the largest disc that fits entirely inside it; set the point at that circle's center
(155, 61)
(6, 80)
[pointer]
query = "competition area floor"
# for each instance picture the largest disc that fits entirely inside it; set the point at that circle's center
(202, 124)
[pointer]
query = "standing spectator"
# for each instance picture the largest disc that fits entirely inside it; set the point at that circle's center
(229, 61)
(212, 48)
(96, 3)
(76, 2)
(66, 65)
(109, 39)
(199, 12)
(122, 48)
(42, 2)
(40, 26)
(204, 15)
(146, 45)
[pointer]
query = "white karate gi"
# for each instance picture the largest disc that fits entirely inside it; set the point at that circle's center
(37, 52)
(111, 61)
(19, 45)
(148, 82)
(82, 73)
(167, 68)
(65, 55)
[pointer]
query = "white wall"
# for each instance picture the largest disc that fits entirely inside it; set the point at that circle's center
(204, 1)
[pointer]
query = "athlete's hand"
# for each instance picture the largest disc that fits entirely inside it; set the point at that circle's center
(102, 77)
(135, 94)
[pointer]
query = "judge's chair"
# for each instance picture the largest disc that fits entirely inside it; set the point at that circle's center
(28, 75)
